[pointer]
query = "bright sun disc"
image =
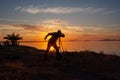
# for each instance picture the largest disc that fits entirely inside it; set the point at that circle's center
(51, 49)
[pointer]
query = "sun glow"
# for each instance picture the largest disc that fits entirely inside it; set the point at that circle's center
(51, 49)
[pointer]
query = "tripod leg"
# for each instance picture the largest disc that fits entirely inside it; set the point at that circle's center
(60, 44)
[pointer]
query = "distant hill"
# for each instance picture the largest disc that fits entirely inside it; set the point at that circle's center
(109, 40)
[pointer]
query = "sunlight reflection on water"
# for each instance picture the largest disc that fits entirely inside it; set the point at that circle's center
(109, 47)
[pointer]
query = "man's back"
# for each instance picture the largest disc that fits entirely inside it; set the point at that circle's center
(54, 36)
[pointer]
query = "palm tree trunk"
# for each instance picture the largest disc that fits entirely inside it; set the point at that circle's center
(13, 43)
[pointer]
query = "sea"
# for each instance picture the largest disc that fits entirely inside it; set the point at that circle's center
(108, 47)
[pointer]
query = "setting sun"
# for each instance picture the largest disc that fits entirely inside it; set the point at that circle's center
(51, 49)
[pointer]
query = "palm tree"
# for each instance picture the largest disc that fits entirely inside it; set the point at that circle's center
(13, 38)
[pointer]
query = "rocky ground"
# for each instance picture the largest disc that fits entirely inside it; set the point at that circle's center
(26, 63)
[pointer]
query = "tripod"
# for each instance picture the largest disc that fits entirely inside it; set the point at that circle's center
(60, 44)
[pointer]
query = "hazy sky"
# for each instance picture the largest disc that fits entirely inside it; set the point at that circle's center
(78, 19)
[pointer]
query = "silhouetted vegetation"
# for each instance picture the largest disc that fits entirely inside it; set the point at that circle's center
(26, 63)
(13, 39)
(0, 45)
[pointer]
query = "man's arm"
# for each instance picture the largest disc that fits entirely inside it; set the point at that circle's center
(62, 35)
(47, 35)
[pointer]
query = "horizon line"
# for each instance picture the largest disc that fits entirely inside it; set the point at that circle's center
(70, 40)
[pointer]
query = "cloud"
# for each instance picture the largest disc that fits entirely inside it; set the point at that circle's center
(110, 12)
(14, 20)
(63, 10)
(9, 27)
(54, 22)
(26, 26)
(89, 34)
(51, 25)
(46, 25)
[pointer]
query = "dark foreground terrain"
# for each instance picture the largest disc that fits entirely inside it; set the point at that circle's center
(26, 63)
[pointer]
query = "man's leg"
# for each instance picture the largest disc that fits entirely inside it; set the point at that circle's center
(47, 50)
(58, 56)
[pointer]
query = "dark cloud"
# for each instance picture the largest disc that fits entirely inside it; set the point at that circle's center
(30, 27)
(88, 35)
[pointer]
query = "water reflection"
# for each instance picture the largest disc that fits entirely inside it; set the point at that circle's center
(109, 47)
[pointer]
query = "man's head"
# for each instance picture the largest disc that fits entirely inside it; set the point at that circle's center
(59, 31)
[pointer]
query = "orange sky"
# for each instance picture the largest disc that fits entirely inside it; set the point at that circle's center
(78, 19)
(37, 32)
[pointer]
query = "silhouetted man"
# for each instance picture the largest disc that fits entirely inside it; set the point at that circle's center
(52, 43)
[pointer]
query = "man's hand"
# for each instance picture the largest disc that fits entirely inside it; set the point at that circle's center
(45, 38)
